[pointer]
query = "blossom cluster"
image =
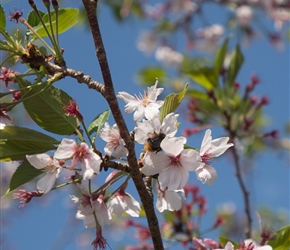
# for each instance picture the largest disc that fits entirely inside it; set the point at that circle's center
(164, 154)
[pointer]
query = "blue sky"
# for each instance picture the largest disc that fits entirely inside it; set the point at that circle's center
(38, 225)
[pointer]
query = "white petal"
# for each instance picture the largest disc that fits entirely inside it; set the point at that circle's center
(190, 159)
(173, 146)
(142, 130)
(152, 110)
(154, 163)
(116, 206)
(133, 206)
(126, 97)
(39, 161)
(207, 174)
(139, 113)
(206, 142)
(65, 150)
(46, 183)
(219, 146)
(169, 124)
(173, 178)
(154, 92)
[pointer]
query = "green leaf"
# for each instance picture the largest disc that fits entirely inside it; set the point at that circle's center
(171, 103)
(67, 18)
(236, 62)
(17, 142)
(98, 122)
(220, 57)
(33, 19)
(2, 19)
(23, 174)
(46, 108)
(149, 74)
(205, 77)
(282, 239)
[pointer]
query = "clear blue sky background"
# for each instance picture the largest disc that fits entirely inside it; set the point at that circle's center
(42, 223)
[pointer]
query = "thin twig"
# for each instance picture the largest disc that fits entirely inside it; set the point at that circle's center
(110, 96)
(245, 192)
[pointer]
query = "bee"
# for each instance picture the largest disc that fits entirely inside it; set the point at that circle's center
(153, 142)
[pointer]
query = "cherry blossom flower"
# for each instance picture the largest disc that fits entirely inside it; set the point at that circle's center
(52, 167)
(210, 35)
(154, 126)
(173, 166)
(168, 56)
(147, 42)
(244, 15)
(90, 161)
(209, 149)
(124, 202)
(115, 144)
(144, 105)
(169, 200)
(92, 206)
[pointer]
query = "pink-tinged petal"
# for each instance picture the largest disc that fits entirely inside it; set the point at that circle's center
(230, 246)
(154, 163)
(206, 142)
(207, 174)
(173, 178)
(190, 159)
(104, 216)
(39, 161)
(120, 151)
(65, 149)
(89, 221)
(173, 146)
(46, 183)
(133, 206)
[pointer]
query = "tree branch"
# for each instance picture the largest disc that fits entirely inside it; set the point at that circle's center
(110, 96)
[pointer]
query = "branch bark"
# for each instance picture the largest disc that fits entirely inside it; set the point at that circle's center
(110, 96)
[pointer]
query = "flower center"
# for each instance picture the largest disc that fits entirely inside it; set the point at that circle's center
(81, 152)
(176, 161)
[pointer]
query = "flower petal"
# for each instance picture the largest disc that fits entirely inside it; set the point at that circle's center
(206, 142)
(207, 174)
(154, 163)
(173, 146)
(46, 183)
(65, 149)
(173, 178)
(39, 161)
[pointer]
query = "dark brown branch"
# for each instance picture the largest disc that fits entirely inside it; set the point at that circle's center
(110, 96)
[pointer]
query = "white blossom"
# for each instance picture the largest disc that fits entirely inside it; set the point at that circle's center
(209, 149)
(124, 202)
(91, 206)
(147, 42)
(173, 165)
(244, 15)
(50, 165)
(169, 200)
(144, 105)
(168, 56)
(90, 161)
(168, 127)
(115, 144)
